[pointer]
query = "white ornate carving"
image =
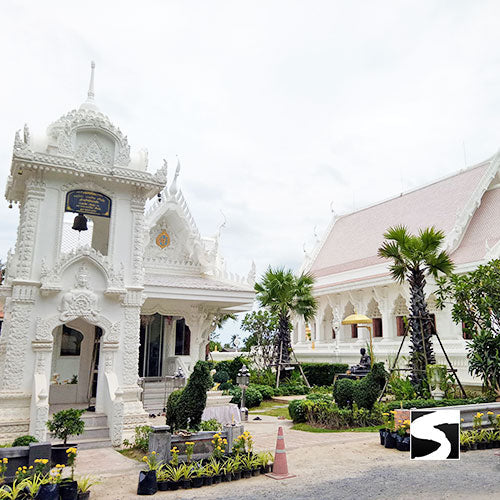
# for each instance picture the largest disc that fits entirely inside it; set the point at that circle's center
(80, 302)
(94, 151)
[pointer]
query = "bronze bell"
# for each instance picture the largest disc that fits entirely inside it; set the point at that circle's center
(80, 223)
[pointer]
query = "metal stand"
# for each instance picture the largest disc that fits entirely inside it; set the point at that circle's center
(393, 368)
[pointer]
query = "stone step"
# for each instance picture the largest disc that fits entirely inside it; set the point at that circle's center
(95, 420)
(88, 444)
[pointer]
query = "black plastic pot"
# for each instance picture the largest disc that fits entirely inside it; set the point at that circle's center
(173, 485)
(246, 473)
(68, 490)
(473, 446)
(217, 479)
(84, 496)
(390, 440)
(236, 475)
(197, 482)
(256, 472)
(463, 448)
(271, 466)
(403, 443)
(186, 484)
(58, 454)
(382, 433)
(48, 492)
(147, 483)
(208, 480)
(226, 477)
(162, 485)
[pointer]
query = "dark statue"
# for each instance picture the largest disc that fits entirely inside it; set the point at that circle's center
(364, 365)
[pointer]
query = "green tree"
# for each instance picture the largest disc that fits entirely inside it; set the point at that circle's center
(262, 327)
(475, 301)
(283, 293)
(413, 257)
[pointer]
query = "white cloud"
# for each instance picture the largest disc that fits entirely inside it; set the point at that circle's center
(276, 108)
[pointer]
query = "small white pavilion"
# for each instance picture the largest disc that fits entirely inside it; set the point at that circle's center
(89, 313)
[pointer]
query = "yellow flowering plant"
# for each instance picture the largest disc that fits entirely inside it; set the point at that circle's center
(174, 461)
(56, 473)
(71, 454)
(491, 418)
(219, 446)
(497, 422)
(477, 421)
(239, 444)
(3, 469)
(151, 460)
(404, 427)
(189, 450)
(41, 465)
(23, 472)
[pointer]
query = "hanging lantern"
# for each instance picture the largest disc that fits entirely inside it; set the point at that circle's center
(80, 223)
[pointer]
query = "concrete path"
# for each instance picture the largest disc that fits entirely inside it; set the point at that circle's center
(327, 465)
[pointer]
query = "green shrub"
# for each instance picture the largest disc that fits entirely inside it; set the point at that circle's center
(210, 425)
(185, 410)
(343, 392)
(232, 367)
(24, 440)
(226, 386)
(291, 390)
(322, 373)
(66, 423)
(266, 391)
(363, 392)
(221, 376)
(253, 397)
(263, 377)
(297, 410)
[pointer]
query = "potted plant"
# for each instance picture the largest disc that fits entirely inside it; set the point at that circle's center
(198, 475)
(84, 485)
(208, 480)
(403, 438)
(216, 467)
(227, 469)
(464, 440)
(187, 474)
(385, 430)
(236, 473)
(265, 458)
(15, 491)
(175, 475)
(68, 487)
(189, 450)
(390, 437)
(147, 478)
(50, 490)
(246, 465)
(162, 478)
(63, 424)
(33, 484)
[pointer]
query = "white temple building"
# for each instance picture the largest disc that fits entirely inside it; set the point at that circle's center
(351, 277)
(90, 313)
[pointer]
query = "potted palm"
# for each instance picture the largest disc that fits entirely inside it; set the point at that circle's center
(265, 459)
(64, 424)
(162, 478)
(227, 469)
(198, 475)
(147, 478)
(187, 474)
(208, 480)
(175, 475)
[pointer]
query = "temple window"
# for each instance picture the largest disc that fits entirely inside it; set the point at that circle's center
(377, 327)
(182, 338)
(354, 331)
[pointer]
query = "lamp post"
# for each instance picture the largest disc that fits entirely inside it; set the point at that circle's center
(242, 380)
(364, 322)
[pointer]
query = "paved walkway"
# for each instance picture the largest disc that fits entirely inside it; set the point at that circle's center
(327, 465)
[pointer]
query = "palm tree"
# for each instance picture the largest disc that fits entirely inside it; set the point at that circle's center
(414, 257)
(283, 293)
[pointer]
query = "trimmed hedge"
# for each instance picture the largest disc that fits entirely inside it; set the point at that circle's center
(231, 367)
(323, 373)
(253, 397)
(297, 410)
(266, 390)
(432, 403)
(185, 410)
(24, 440)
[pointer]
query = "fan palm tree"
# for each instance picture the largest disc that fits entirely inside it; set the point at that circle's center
(283, 293)
(413, 257)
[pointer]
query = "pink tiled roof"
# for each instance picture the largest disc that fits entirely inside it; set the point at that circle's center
(483, 230)
(355, 238)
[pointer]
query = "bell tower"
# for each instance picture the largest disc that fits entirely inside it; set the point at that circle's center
(77, 266)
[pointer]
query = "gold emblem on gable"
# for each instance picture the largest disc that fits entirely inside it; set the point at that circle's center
(163, 239)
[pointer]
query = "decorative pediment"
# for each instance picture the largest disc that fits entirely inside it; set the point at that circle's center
(64, 133)
(51, 278)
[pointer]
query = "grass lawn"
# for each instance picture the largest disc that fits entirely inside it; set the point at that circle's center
(270, 408)
(311, 428)
(132, 453)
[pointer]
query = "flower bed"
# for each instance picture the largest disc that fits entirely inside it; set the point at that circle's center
(479, 438)
(224, 463)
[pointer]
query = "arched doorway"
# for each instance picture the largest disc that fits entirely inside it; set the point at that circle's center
(75, 363)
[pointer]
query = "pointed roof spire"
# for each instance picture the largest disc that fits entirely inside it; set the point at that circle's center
(89, 103)
(173, 187)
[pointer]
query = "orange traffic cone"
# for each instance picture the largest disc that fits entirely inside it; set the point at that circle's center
(280, 468)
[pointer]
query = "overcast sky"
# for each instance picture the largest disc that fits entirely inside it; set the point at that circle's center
(277, 109)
